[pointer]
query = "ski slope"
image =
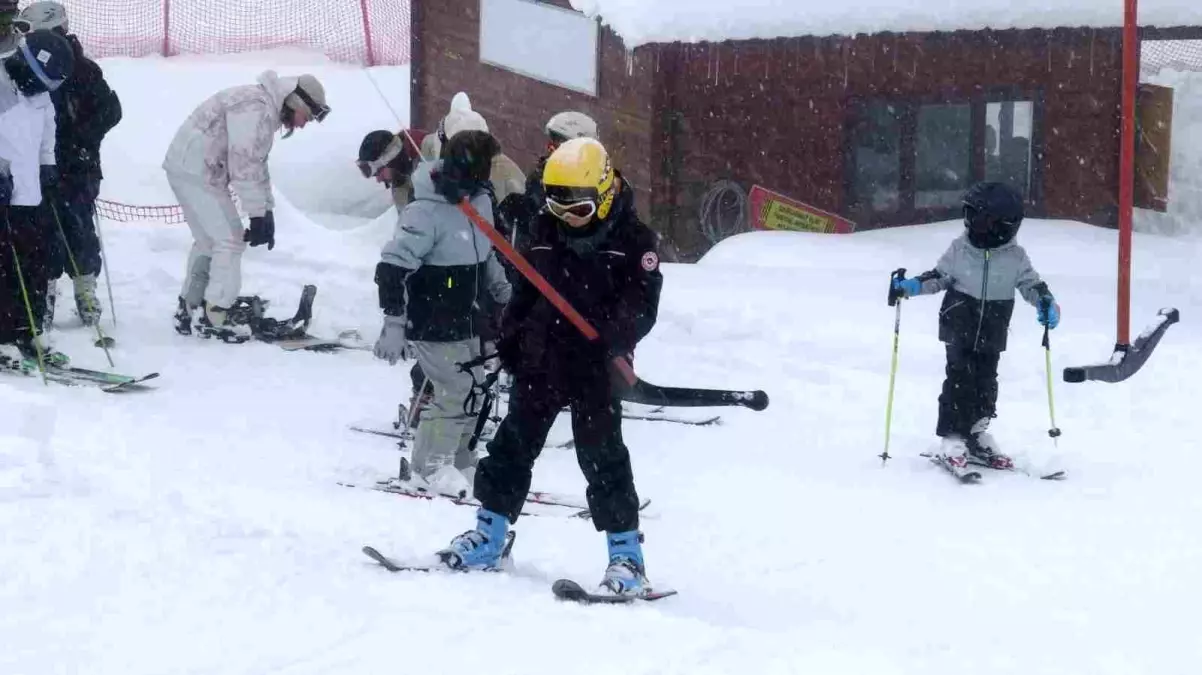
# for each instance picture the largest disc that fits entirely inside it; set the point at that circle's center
(199, 528)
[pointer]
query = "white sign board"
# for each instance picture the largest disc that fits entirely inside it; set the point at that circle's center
(541, 41)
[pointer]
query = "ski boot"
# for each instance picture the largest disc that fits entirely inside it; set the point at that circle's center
(954, 449)
(86, 303)
(183, 317)
(984, 449)
(33, 348)
(483, 548)
(626, 574)
(216, 322)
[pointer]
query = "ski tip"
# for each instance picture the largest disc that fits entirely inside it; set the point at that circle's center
(757, 401)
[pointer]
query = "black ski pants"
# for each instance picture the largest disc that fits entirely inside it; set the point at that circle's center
(970, 390)
(75, 212)
(22, 232)
(503, 477)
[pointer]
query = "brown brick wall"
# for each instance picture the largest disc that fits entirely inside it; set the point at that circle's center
(774, 112)
(447, 60)
(679, 117)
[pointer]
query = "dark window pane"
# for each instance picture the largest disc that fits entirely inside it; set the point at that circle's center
(943, 155)
(1008, 143)
(876, 148)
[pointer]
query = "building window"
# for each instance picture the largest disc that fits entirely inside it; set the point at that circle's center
(942, 155)
(910, 161)
(876, 154)
(1008, 126)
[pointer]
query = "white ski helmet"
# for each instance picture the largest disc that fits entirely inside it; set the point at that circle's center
(570, 124)
(42, 16)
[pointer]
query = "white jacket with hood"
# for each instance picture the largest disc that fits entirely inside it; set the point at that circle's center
(26, 139)
(226, 140)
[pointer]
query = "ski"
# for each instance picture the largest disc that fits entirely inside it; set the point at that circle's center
(1017, 468)
(73, 376)
(395, 566)
(964, 475)
(398, 434)
(533, 497)
(566, 589)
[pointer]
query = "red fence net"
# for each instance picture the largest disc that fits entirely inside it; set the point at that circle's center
(368, 32)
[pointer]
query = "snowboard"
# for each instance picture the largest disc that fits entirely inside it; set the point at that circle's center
(567, 589)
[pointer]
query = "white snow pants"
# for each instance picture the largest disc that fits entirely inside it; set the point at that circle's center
(214, 272)
(444, 431)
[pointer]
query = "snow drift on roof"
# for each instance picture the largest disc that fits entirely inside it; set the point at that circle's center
(641, 21)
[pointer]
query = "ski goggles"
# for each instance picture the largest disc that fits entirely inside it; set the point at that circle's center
(22, 26)
(582, 210)
(318, 111)
(395, 149)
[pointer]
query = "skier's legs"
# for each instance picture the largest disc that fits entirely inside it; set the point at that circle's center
(503, 476)
(603, 456)
(984, 372)
(12, 309)
(217, 231)
(957, 401)
(79, 223)
(27, 250)
(444, 422)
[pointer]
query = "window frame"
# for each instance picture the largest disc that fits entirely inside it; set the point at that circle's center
(977, 99)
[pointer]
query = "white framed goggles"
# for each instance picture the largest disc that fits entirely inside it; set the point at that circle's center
(582, 210)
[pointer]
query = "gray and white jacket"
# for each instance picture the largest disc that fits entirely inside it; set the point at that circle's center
(980, 285)
(439, 271)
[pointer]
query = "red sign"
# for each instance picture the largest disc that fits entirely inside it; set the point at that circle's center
(774, 211)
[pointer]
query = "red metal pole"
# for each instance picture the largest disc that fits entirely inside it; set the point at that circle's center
(1127, 168)
(371, 52)
(166, 28)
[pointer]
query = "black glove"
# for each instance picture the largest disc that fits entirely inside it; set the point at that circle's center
(6, 189)
(49, 177)
(509, 352)
(262, 231)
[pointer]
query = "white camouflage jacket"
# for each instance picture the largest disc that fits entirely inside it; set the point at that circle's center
(226, 140)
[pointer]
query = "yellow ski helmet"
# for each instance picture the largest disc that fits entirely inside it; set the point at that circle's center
(579, 180)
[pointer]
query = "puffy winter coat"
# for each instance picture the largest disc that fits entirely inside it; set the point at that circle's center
(226, 140)
(85, 110)
(614, 282)
(26, 139)
(439, 267)
(980, 285)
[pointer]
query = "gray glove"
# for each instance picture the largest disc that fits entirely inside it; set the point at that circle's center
(391, 346)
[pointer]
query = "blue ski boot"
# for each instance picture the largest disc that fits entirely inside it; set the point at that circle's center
(480, 549)
(626, 574)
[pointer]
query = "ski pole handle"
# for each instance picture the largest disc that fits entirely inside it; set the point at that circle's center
(895, 293)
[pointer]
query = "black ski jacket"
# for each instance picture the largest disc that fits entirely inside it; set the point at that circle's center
(85, 110)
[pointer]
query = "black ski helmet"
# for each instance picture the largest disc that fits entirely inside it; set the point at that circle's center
(42, 62)
(993, 212)
(381, 149)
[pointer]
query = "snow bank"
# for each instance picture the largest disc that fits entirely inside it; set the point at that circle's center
(315, 168)
(640, 21)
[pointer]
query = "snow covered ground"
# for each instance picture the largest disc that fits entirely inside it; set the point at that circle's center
(199, 528)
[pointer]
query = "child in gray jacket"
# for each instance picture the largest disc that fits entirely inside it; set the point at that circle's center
(980, 272)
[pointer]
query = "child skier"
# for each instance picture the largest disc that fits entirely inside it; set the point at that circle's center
(42, 62)
(592, 249)
(431, 278)
(86, 109)
(980, 272)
